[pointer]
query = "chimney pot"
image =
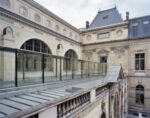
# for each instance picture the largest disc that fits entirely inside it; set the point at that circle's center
(87, 24)
(127, 15)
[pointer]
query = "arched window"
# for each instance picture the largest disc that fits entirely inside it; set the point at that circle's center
(59, 47)
(139, 94)
(23, 11)
(5, 3)
(71, 54)
(103, 115)
(36, 45)
(37, 18)
(33, 62)
(70, 61)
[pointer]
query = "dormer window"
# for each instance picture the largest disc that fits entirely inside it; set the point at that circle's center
(105, 17)
(145, 22)
(135, 24)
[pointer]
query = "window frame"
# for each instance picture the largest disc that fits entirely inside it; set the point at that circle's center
(103, 35)
(140, 95)
(102, 61)
(138, 61)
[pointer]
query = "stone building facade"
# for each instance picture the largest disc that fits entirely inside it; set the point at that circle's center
(25, 24)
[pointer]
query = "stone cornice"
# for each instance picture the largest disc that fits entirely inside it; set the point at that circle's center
(21, 19)
(106, 27)
(105, 42)
(115, 41)
(49, 13)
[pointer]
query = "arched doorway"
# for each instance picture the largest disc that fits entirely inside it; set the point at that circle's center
(140, 94)
(31, 62)
(103, 115)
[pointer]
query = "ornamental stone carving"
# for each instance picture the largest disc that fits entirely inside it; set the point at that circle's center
(119, 51)
(8, 33)
(103, 52)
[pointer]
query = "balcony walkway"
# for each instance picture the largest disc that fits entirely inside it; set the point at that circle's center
(16, 102)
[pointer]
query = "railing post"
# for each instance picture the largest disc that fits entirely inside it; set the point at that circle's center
(43, 80)
(16, 69)
(88, 70)
(23, 67)
(56, 68)
(60, 70)
(66, 60)
(81, 69)
(72, 68)
(94, 69)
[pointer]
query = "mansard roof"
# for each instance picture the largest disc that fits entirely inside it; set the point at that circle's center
(139, 27)
(106, 17)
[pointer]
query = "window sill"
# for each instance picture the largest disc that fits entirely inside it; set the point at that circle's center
(140, 72)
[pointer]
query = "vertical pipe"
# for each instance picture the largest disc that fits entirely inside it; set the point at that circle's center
(16, 77)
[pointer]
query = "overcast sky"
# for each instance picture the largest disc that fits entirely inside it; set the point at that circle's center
(76, 12)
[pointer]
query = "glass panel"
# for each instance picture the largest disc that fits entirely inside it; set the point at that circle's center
(7, 69)
(31, 72)
(50, 69)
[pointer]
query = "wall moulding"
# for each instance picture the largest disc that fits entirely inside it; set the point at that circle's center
(119, 51)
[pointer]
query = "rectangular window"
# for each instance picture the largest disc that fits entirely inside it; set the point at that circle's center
(140, 61)
(103, 59)
(103, 35)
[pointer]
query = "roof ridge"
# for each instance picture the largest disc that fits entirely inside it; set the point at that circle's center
(106, 9)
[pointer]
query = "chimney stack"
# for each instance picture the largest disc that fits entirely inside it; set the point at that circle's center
(87, 24)
(127, 16)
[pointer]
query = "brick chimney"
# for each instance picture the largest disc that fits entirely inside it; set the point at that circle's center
(127, 16)
(87, 24)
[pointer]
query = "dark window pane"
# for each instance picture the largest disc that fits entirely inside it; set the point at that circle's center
(103, 59)
(140, 61)
(139, 94)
